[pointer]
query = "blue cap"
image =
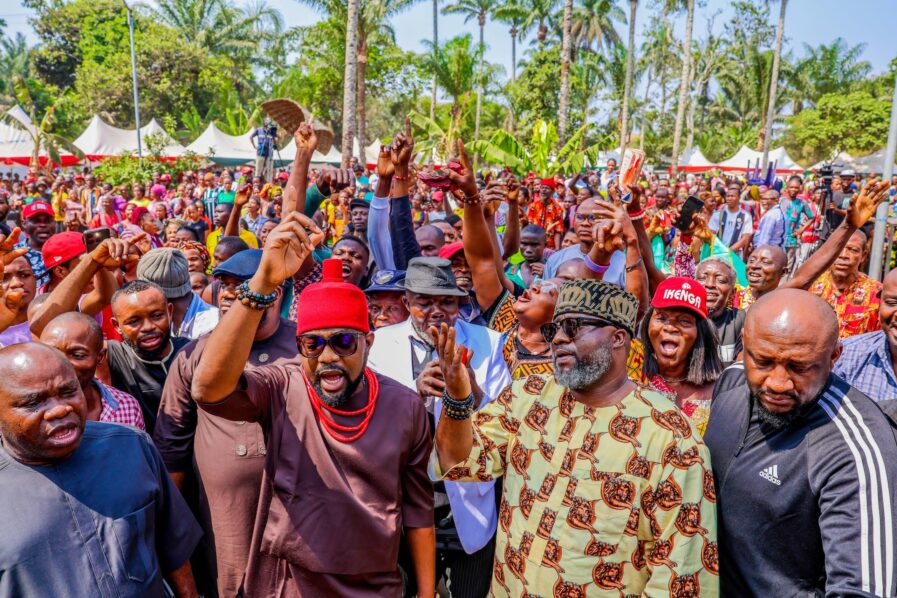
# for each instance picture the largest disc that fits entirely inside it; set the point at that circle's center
(242, 265)
(386, 281)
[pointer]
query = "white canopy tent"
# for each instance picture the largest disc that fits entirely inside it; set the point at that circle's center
(101, 139)
(746, 157)
(224, 149)
(693, 160)
(17, 143)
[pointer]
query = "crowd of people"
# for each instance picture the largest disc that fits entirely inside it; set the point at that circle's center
(389, 380)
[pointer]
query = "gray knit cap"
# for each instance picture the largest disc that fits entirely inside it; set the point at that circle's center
(167, 268)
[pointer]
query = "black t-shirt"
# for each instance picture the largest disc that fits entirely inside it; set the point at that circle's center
(728, 327)
(143, 380)
(200, 228)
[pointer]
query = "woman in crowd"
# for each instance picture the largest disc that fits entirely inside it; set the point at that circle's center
(681, 351)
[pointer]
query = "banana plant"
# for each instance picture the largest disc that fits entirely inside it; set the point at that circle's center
(42, 135)
(541, 155)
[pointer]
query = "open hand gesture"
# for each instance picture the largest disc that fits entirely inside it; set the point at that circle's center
(287, 248)
(306, 138)
(863, 205)
(452, 362)
(8, 250)
(115, 253)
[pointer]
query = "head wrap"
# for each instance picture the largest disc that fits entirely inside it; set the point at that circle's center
(136, 214)
(332, 303)
(195, 246)
(599, 299)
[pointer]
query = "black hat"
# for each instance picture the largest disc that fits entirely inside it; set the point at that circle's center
(359, 203)
(384, 281)
(431, 276)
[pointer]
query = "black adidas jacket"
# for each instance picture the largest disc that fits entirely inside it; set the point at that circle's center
(808, 510)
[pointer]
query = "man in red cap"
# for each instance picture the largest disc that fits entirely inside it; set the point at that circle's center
(341, 454)
(547, 213)
(39, 224)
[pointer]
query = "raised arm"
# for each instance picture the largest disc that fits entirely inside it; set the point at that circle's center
(379, 237)
(511, 239)
(110, 254)
(241, 198)
(295, 193)
(653, 274)
(862, 208)
(454, 437)
(617, 233)
(218, 372)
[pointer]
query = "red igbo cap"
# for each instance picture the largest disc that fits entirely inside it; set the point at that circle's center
(37, 207)
(685, 293)
(548, 182)
(63, 247)
(447, 251)
(332, 303)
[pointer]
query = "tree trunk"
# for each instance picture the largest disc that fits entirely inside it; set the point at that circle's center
(627, 88)
(476, 132)
(349, 80)
(690, 115)
(435, 46)
(773, 87)
(684, 84)
(361, 124)
(644, 125)
(514, 53)
(564, 101)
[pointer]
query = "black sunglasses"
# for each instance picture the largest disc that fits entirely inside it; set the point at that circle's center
(570, 326)
(341, 343)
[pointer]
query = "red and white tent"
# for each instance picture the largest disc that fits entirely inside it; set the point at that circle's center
(100, 140)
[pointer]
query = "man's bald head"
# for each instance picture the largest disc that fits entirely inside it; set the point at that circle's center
(430, 238)
(80, 339)
(42, 407)
(75, 323)
(790, 347)
(765, 268)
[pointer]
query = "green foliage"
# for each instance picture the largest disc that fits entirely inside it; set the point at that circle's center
(119, 170)
(855, 122)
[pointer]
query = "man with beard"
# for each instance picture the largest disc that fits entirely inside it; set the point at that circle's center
(804, 464)
(767, 265)
(547, 213)
(39, 224)
(869, 361)
(226, 457)
(139, 364)
(345, 470)
(86, 507)
(406, 352)
(604, 480)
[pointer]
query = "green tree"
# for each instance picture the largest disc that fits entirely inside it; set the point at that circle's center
(594, 24)
(540, 12)
(513, 13)
(15, 59)
(825, 69)
(684, 77)
(854, 122)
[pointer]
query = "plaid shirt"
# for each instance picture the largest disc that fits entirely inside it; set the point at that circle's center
(856, 306)
(119, 407)
(865, 364)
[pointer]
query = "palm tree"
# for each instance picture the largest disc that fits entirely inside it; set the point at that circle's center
(827, 68)
(435, 45)
(566, 43)
(656, 58)
(15, 58)
(349, 80)
(766, 133)
(630, 66)
(454, 65)
(593, 24)
(685, 79)
(478, 9)
(539, 11)
(514, 14)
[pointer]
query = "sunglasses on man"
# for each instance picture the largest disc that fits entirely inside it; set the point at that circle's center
(570, 326)
(343, 344)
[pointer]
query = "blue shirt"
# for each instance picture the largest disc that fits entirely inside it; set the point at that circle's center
(106, 521)
(771, 229)
(865, 363)
(616, 272)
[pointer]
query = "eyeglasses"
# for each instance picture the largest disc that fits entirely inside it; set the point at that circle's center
(341, 343)
(570, 326)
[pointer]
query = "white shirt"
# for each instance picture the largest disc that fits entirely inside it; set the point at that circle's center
(473, 504)
(726, 228)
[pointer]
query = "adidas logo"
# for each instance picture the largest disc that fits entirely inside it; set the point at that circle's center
(771, 474)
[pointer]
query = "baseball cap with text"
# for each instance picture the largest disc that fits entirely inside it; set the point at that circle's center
(685, 293)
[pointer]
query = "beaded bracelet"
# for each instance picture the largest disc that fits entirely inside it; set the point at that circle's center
(471, 199)
(459, 410)
(255, 300)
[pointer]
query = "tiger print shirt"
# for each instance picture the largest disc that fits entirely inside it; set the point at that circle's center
(522, 363)
(615, 501)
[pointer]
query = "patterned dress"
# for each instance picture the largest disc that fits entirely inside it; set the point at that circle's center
(613, 501)
(743, 298)
(856, 306)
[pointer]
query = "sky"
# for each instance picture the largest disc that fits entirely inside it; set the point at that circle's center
(813, 22)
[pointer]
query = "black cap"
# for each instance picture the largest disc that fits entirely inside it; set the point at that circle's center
(385, 281)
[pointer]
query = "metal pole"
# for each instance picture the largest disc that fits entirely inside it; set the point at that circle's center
(134, 80)
(881, 215)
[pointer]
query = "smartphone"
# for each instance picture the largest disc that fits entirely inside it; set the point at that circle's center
(95, 236)
(692, 206)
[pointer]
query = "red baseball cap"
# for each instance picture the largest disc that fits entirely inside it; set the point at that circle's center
(246, 169)
(37, 207)
(685, 293)
(165, 177)
(63, 247)
(283, 175)
(451, 249)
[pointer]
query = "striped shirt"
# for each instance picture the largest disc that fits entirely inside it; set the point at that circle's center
(866, 364)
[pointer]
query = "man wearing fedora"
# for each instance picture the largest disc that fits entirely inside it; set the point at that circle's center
(466, 515)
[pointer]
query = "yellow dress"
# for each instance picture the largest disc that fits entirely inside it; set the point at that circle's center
(613, 501)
